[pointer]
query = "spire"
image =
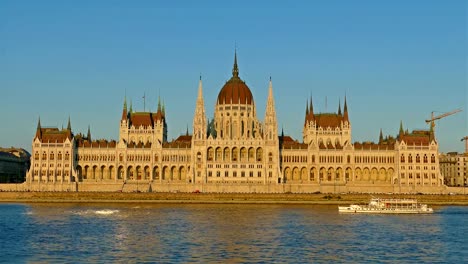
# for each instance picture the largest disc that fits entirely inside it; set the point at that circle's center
(200, 128)
(124, 110)
(381, 136)
(235, 70)
(339, 106)
(69, 124)
(131, 107)
(159, 104)
(89, 134)
(163, 109)
(186, 132)
(401, 128)
(307, 107)
(38, 130)
(200, 89)
(311, 107)
(345, 110)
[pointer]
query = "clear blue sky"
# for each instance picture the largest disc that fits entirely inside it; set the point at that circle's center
(395, 60)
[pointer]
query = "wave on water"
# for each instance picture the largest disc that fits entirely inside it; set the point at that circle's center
(106, 212)
(96, 212)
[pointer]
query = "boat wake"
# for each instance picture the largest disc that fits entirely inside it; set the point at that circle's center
(102, 212)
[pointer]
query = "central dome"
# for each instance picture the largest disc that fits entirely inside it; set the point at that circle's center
(235, 91)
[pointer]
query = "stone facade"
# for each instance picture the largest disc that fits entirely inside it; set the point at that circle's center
(236, 152)
(454, 168)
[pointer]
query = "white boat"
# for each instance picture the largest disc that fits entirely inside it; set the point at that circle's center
(388, 206)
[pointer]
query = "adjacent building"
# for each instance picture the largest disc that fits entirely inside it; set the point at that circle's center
(14, 163)
(236, 149)
(454, 168)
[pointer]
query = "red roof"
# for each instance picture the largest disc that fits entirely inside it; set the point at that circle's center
(235, 91)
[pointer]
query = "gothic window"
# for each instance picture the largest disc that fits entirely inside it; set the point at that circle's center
(402, 159)
(432, 158)
(210, 154)
(59, 156)
(44, 155)
(259, 154)
(36, 156)
(52, 156)
(418, 158)
(251, 154)
(425, 158)
(410, 158)
(270, 157)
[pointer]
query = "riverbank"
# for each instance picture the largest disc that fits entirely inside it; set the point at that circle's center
(285, 198)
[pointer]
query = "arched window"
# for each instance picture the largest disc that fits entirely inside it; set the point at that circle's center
(410, 158)
(44, 155)
(402, 159)
(36, 156)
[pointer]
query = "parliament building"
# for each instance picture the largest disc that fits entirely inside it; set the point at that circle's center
(234, 152)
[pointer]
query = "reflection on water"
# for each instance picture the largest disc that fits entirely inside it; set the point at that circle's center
(226, 233)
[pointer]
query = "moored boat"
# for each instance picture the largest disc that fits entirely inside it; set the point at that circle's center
(388, 206)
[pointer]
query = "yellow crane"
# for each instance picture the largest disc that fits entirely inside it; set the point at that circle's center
(434, 118)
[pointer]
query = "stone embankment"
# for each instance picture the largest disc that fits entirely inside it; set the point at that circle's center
(286, 198)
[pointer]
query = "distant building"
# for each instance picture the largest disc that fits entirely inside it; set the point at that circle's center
(235, 149)
(14, 163)
(454, 168)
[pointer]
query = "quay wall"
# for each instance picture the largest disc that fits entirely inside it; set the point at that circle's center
(132, 187)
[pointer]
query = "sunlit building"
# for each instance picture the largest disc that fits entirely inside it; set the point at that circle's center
(235, 151)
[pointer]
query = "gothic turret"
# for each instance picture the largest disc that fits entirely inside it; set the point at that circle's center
(199, 119)
(271, 125)
(345, 110)
(38, 130)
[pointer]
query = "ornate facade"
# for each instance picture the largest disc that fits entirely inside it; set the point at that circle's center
(235, 149)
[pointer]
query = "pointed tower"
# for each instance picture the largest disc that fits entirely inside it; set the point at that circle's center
(381, 139)
(345, 111)
(199, 136)
(339, 107)
(235, 69)
(124, 110)
(271, 140)
(402, 131)
(199, 119)
(271, 124)
(306, 112)
(38, 130)
(89, 134)
(69, 130)
(308, 131)
(69, 124)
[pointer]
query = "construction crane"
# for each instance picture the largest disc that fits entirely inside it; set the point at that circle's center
(434, 118)
(466, 143)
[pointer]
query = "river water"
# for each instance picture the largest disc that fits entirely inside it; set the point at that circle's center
(226, 233)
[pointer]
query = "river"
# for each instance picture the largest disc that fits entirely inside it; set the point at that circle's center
(226, 233)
